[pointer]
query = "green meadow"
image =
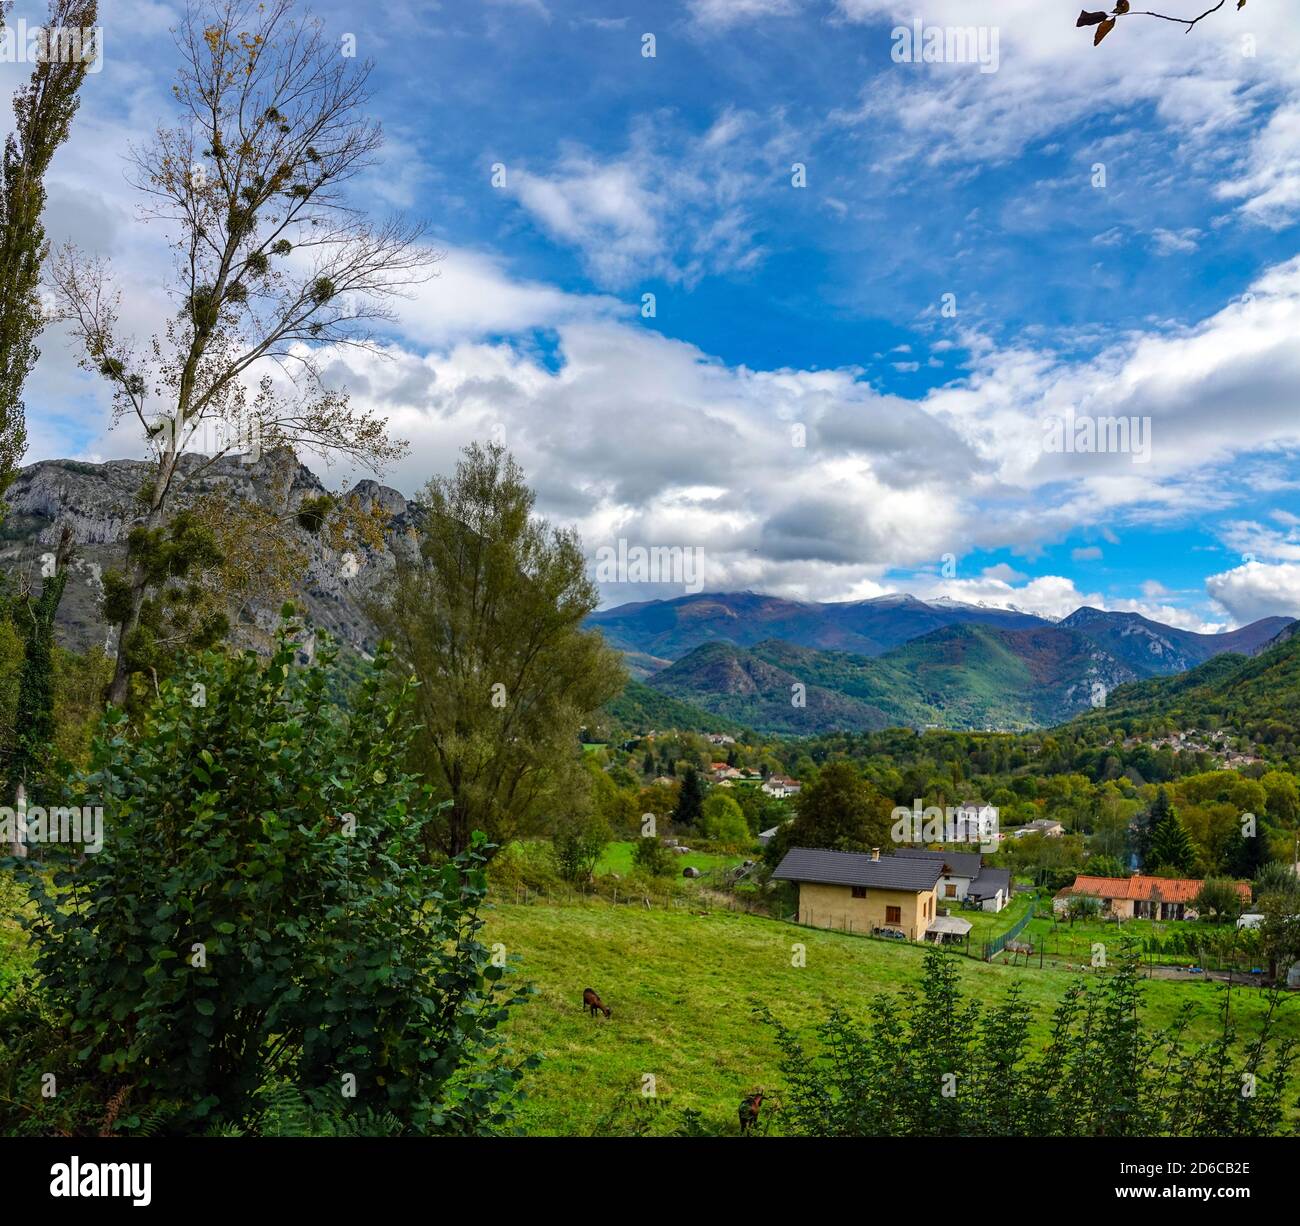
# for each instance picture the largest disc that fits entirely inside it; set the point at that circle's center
(682, 984)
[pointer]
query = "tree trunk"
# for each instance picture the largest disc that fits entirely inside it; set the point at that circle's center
(117, 690)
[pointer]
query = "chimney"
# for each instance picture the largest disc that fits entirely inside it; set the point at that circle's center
(875, 853)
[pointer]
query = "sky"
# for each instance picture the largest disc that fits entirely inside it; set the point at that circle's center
(820, 314)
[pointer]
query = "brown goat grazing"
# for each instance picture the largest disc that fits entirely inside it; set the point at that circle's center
(591, 1000)
(749, 1111)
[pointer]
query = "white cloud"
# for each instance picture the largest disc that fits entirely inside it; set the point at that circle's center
(732, 12)
(675, 204)
(1256, 589)
(1175, 242)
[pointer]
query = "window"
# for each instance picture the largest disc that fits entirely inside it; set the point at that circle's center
(950, 891)
(859, 891)
(893, 915)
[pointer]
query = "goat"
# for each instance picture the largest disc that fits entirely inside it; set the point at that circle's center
(748, 1111)
(591, 1000)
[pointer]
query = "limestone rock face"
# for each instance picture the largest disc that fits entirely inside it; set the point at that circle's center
(99, 502)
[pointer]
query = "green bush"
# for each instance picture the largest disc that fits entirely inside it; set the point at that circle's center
(652, 857)
(927, 1062)
(263, 911)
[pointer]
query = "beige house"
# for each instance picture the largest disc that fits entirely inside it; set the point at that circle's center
(1139, 897)
(893, 895)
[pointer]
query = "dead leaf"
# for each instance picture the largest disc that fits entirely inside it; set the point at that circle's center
(1121, 7)
(1241, 4)
(1102, 30)
(1090, 19)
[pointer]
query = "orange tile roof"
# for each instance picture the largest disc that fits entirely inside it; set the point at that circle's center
(1147, 889)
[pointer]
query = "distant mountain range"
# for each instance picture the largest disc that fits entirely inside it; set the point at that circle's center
(668, 629)
(897, 660)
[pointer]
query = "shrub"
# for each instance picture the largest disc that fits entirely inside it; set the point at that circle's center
(263, 910)
(578, 843)
(652, 857)
(929, 1063)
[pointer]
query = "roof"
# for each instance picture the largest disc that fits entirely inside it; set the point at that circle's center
(855, 868)
(990, 881)
(1147, 889)
(962, 863)
(951, 923)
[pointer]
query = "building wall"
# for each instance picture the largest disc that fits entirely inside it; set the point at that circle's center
(962, 884)
(833, 906)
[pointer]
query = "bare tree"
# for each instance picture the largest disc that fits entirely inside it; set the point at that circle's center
(272, 261)
(1105, 22)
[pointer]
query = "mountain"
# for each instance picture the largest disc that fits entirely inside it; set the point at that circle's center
(897, 660)
(671, 628)
(1254, 695)
(99, 502)
(745, 688)
(639, 709)
(1151, 649)
(964, 676)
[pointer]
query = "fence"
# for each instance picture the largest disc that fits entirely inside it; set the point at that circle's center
(999, 943)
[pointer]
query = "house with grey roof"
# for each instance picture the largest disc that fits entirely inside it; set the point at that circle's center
(966, 879)
(856, 892)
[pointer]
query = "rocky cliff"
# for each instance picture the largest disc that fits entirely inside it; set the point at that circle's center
(99, 502)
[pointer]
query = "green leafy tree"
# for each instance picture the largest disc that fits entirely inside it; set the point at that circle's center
(839, 810)
(1104, 866)
(722, 820)
(1280, 931)
(1082, 907)
(487, 612)
(1218, 899)
(1104, 1074)
(652, 857)
(1145, 827)
(262, 911)
(578, 842)
(43, 112)
(34, 724)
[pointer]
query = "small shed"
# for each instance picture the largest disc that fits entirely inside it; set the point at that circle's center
(948, 930)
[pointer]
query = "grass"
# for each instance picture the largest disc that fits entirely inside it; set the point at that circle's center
(1074, 942)
(617, 858)
(682, 984)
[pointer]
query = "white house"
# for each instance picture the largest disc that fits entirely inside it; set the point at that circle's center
(964, 878)
(1042, 825)
(781, 787)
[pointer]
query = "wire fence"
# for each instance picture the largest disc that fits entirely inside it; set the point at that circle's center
(995, 946)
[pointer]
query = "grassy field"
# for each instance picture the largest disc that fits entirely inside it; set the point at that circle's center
(617, 858)
(1073, 942)
(682, 985)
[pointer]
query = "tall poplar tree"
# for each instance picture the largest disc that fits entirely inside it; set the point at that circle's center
(43, 112)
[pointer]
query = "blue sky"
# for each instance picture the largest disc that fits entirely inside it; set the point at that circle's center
(1168, 293)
